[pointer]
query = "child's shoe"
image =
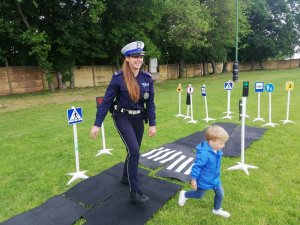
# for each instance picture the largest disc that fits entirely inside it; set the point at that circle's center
(221, 212)
(182, 199)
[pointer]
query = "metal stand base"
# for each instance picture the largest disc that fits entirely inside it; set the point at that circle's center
(193, 121)
(228, 112)
(180, 115)
(242, 166)
(77, 175)
(287, 121)
(258, 119)
(208, 119)
(270, 124)
(104, 151)
(187, 117)
(227, 117)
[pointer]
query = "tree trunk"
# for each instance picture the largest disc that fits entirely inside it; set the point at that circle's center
(51, 86)
(11, 91)
(224, 69)
(181, 69)
(72, 81)
(252, 64)
(213, 65)
(261, 65)
(93, 71)
(24, 19)
(204, 69)
(59, 80)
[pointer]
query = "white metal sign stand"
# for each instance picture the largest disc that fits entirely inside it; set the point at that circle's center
(188, 103)
(179, 89)
(259, 87)
(241, 165)
(203, 90)
(104, 150)
(270, 88)
(190, 91)
(289, 88)
(75, 116)
(228, 86)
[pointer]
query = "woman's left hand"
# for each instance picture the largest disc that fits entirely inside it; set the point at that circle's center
(152, 131)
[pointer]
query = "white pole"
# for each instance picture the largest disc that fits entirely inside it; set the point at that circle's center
(270, 107)
(104, 150)
(179, 103)
(103, 136)
(228, 102)
(192, 113)
(76, 147)
(288, 109)
(228, 116)
(187, 112)
(241, 165)
(206, 110)
(288, 106)
(258, 105)
(258, 109)
(244, 102)
(270, 112)
(179, 106)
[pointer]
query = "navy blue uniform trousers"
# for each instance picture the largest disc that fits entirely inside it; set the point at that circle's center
(131, 130)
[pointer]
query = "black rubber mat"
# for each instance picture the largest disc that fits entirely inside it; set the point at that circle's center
(118, 210)
(98, 188)
(55, 211)
(176, 158)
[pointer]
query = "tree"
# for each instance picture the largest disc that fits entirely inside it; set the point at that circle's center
(184, 26)
(125, 21)
(222, 35)
(271, 37)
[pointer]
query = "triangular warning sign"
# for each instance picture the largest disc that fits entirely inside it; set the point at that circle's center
(75, 116)
(179, 88)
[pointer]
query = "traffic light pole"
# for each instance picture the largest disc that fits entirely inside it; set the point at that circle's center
(235, 69)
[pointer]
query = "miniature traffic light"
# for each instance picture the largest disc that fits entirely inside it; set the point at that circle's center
(235, 71)
(245, 88)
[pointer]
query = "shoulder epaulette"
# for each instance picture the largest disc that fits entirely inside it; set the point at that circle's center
(118, 73)
(147, 73)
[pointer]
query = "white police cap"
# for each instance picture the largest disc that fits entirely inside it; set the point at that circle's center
(133, 48)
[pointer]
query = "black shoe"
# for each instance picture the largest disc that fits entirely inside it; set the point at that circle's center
(124, 181)
(138, 197)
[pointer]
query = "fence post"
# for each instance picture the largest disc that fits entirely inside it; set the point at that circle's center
(93, 71)
(11, 91)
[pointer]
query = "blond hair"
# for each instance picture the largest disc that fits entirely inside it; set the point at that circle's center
(216, 132)
(131, 83)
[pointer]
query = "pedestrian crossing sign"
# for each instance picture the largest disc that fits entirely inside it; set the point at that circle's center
(74, 115)
(228, 86)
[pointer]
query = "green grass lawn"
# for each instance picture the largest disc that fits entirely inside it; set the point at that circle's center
(37, 149)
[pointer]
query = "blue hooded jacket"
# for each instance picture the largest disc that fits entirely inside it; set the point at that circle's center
(207, 166)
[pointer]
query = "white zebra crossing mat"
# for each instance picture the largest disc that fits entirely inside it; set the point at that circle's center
(177, 158)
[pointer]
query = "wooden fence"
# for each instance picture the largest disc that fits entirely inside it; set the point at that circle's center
(22, 79)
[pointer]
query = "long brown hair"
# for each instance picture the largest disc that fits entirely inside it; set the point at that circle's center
(130, 82)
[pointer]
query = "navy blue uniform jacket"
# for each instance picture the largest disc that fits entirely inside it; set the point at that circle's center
(117, 88)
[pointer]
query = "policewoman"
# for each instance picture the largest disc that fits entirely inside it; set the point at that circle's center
(130, 98)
